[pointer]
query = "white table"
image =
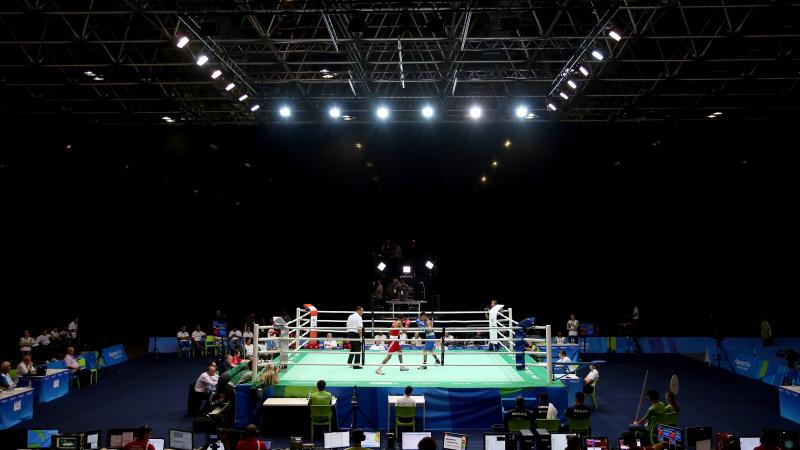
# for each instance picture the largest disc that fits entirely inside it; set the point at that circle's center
(418, 399)
(279, 401)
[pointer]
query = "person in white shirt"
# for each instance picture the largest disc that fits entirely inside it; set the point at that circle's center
(184, 343)
(207, 381)
(329, 343)
(234, 337)
(198, 336)
(559, 339)
(545, 409)
(248, 333)
(416, 340)
(591, 379)
(403, 338)
(248, 347)
(72, 330)
(407, 399)
(43, 340)
(72, 363)
(572, 329)
(55, 336)
(5, 379)
(355, 327)
(26, 343)
(563, 358)
(26, 367)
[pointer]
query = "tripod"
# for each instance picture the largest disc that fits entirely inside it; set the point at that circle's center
(354, 411)
(720, 354)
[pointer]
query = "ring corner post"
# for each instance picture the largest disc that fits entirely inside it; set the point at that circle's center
(549, 346)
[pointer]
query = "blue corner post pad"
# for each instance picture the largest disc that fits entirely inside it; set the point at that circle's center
(519, 340)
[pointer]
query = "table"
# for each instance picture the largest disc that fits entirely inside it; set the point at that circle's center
(53, 385)
(789, 398)
(16, 405)
(294, 421)
(279, 401)
(392, 400)
(417, 303)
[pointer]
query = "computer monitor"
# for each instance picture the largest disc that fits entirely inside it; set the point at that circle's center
(158, 443)
(411, 439)
(788, 439)
(119, 437)
(497, 441)
(454, 441)
(180, 440)
(622, 445)
(267, 444)
(41, 438)
(67, 442)
(337, 439)
(672, 435)
(699, 437)
(90, 439)
(596, 443)
(749, 443)
(372, 439)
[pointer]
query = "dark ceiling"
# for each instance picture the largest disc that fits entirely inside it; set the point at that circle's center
(676, 60)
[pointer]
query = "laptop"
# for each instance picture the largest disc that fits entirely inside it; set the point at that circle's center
(41, 371)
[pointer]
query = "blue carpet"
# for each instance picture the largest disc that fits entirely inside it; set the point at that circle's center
(153, 391)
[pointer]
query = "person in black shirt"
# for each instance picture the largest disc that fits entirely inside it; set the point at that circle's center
(578, 411)
(519, 412)
(545, 409)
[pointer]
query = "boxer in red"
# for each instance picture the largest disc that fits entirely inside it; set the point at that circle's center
(394, 346)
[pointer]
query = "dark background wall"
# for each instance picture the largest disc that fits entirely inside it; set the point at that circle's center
(140, 229)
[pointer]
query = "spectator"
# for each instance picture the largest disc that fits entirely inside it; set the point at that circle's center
(378, 292)
(321, 396)
(236, 358)
(329, 343)
(72, 331)
(655, 413)
(591, 380)
(184, 342)
(198, 338)
(234, 338)
(572, 329)
(416, 340)
(403, 338)
(141, 439)
(43, 340)
(56, 336)
(426, 443)
(578, 411)
(769, 441)
(5, 378)
(226, 364)
(407, 399)
(671, 403)
(356, 438)
(766, 332)
(26, 343)
(248, 333)
(519, 412)
(75, 368)
(269, 376)
(559, 339)
(26, 367)
(563, 358)
(250, 440)
(545, 409)
(207, 381)
(248, 348)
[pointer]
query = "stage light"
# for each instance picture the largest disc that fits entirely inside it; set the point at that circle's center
(475, 112)
(584, 71)
(285, 111)
(429, 265)
(254, 108)
(495, 163)
(383, 113)
(359, 146)
(551, 107)
(98, 78)
(326, 74)
(381, 266)
(427, 112)
(507, 143)
(183, 41)
(563, 95)
(406, 269)
(597, 55)
(711, 116)
(717, 113)
(202, 59)
(216, 74)
(230, 86)
(347, 117)
(89, 73)
(572, 84)
(521, 111)
(334, 112)
(484, 179)
(166, 118)
(243, 97)
(614, 35)
(530, 116)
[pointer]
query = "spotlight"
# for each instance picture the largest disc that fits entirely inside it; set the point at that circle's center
(216, 74)
(507, 143)
(494, 163)
(334, 112)
(183, 41)
(166, 118)
(717, 113)
(326, 74)
(383, 113)
(98, 78)
(521, 111)
(406, 269)
(572, 84)
(429, 265)
(563, 95)
(89, 73)
(584, 71)
(359, 146)
(484, 179)
(254, 108)
(427, 112)
(614, 35)
(381, 266)
(711, 116)
(475, 112)
(346, 117)
(243, 97)
(597, 55)
(551, 107)
(230, 86)
(285, 111)
(530, 116)
(202, 59)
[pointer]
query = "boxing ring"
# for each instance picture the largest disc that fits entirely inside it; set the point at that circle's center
(462, 391)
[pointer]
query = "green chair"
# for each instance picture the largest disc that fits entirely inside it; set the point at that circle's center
(211, 343)
(671, 418)
(580, 426)
(96, 369)
(405, 412)
(520, 424)
(320, 416)
(551, 425)
(652, 427)
(92, 372)
(593, 395)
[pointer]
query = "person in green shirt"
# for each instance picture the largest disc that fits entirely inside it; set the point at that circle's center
(654, 415)
(321, 397)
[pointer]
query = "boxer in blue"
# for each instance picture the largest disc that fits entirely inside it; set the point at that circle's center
(424, 322)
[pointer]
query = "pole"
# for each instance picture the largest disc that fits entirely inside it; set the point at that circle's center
(444, 333)
(363, 353)
(256, 329)
(548, 345)
(641, 395)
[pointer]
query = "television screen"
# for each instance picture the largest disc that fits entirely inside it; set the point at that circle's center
(672, 435)
(494, 441)
(558, 441)
(66, 442)
(157, 443)
(410, 439)
(41, 438)
(596, 443)
(338, 439)
(219, 328)
(372, 439)
(454, 441)
(118, 438)
(180, 440)
(749, 443)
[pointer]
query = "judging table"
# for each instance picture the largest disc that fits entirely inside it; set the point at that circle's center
(53, 385)
(295, 418)
(16, 405)
(392, 400)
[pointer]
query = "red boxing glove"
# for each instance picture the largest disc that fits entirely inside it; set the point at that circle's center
(407, 322)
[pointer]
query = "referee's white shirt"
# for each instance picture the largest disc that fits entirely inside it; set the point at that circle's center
(354, 323)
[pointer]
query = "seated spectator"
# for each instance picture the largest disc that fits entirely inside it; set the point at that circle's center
(234, 338)
(769, 441)
(407, 399)
(330, 343)
(75, 367)
(226, 364)
(26, 367)
(403, 338)
(72, 332)
(519, 412)
(248, 333)
(671, 404)
(356, 438)
(184, 342)
(5, 378)
(590, 380)
(380, 339)
(198, 338)
(559, 339)
(248, 348)
(579, 411)
(426, 443)
(654, 415)
(26, 343)
(250, 440)
(55, 336)
(545, 409)
(416, 341)
(141, 439)
(236, 358)
(563, 358)
(43, 340)
(321, 396)
(205, 386)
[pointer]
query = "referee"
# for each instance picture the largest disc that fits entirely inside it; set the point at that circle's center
(355, 325)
